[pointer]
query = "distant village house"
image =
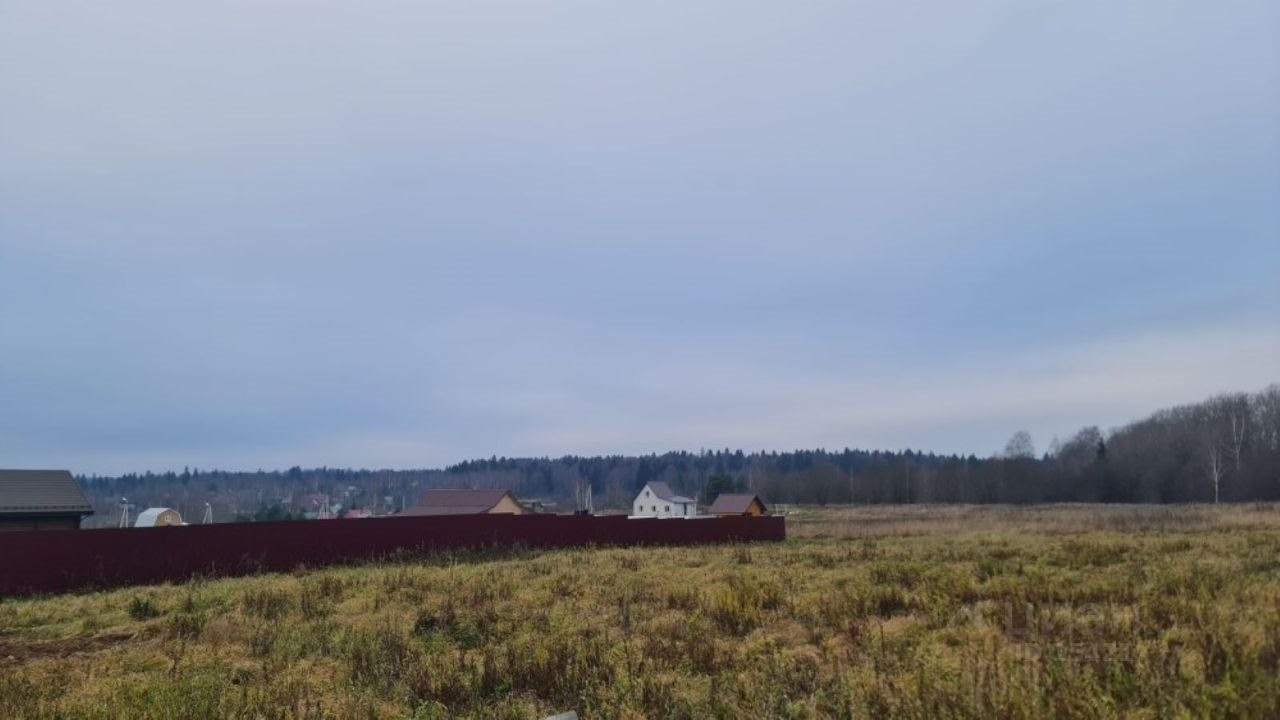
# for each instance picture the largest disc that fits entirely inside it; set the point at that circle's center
(41, 500)
(729, 505)
(466, 502)
(657, 499)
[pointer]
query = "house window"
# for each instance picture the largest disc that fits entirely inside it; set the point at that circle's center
(646, 493)
(666, 508)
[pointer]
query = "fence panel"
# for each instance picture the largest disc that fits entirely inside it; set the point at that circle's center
(57, 561)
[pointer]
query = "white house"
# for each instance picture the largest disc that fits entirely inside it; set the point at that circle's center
(656, 499)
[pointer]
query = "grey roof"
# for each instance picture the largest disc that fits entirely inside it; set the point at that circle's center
(50, 492)
(735, 504)
(664, 492)
(457, 502)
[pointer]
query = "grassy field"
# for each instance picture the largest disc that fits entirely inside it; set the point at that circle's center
(923, 612)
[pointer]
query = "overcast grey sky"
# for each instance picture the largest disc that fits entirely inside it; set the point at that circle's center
(246, 234)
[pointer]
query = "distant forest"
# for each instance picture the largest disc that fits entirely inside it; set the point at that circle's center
(1224, 449)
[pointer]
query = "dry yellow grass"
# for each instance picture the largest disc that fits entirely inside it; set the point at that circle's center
(1032, 613)
(887, 520)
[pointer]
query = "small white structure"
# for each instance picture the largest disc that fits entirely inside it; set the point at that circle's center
(158, 517)
(657, 500)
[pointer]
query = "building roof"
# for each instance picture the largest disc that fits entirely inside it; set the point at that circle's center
(664, 492)
(735, 504)
(47, 492)
(148, 517)
(457, 502)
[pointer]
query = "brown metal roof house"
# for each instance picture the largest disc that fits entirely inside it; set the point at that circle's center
(41, 500)
(750, 505)
(466, 502)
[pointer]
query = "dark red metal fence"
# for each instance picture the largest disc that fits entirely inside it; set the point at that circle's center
(33, 562)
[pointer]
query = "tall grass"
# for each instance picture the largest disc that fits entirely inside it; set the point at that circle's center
(1004, 618)
(1061, 518)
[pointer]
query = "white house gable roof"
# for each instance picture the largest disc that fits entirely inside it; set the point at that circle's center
(664, 492)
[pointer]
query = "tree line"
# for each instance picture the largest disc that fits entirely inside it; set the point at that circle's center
(1225, 449)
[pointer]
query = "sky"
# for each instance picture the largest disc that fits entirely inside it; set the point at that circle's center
(257, 233)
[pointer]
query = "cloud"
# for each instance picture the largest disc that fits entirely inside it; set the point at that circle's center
(262, 233)
(968, 404)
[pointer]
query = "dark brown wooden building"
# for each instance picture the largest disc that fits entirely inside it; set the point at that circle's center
(738, 505)
(41, 500)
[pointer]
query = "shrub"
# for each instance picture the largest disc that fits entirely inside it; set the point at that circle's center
(739, 607)
(187, 625)
(378, 658)
(683, 597)
(904, 575)
(143, 608)
(318, 595)
(886, 602)
(267, 603)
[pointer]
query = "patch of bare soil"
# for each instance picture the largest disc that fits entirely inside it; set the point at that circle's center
(18, 651)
